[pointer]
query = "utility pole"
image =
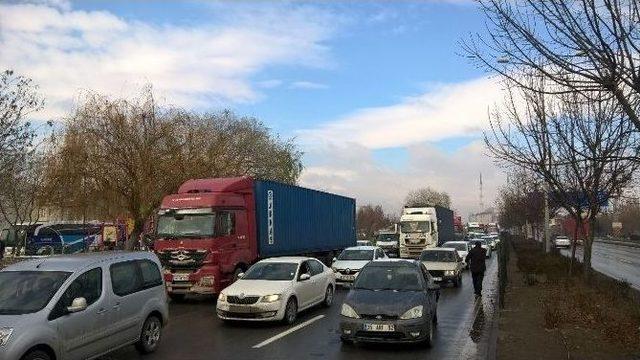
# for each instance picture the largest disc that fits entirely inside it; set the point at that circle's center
(481, 195)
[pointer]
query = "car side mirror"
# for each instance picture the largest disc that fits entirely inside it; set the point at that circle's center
(334, 260)
(305, 277)
(78, 304)
(240, 275)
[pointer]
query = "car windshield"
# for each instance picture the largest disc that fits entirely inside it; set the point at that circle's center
(414, 226)
(187, 225)
(356, 255)
(398, 278)
(24, 292)
(457, 246)
(271, 271)
(438, 256)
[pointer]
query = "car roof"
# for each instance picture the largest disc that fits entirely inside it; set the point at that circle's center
(76, 262)
(456, 242)
(394, 262)
(362, 247)
(440, 249)
(287, 259)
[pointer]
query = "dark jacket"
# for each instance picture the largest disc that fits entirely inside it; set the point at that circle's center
(475, 259)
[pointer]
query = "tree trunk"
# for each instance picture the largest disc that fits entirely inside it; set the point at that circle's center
(134, 239)
(588, 244)
(574, 240)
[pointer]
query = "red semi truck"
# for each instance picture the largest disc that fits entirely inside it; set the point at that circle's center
(214, 229)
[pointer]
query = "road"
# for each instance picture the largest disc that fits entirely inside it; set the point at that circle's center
(616, 261)
(194, 332)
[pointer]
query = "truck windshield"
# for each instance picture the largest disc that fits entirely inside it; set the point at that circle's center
(415, 226)
(388, 237)
(23, 292)
(271, 271)
(186, 225)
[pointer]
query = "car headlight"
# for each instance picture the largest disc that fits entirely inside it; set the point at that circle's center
(270, 298)
(5, 334)
(412, 313)
(349, 312)
(222, 297)
(449, 272)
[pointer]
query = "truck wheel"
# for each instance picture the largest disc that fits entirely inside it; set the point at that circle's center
(328, 296)
(290, 312)
(177, 297)
(150, 335)
(36, 355)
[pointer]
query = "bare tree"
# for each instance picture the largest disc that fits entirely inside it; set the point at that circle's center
(371, 219)
(119, 157)
(520, 201)
(590, 47)
(427, 197)
(582, 150)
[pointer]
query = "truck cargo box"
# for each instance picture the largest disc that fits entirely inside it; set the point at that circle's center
(292, 220)
(446, 231)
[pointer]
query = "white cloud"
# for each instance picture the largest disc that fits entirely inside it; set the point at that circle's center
(351, 169)
(445, 111)
(203, 65)
(308, 85)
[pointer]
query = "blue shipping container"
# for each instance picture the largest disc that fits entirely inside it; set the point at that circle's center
(294, 220)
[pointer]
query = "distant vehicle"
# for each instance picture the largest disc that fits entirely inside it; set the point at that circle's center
(388, 240)
(74, 237)
(277, 289)
(462, 247)
(81, 306)
(391, 301)
(492, 228)
(444, 265)
(214, 229)
(475, 227)
(363, 243)
(424, 227)
(492, 240)
(484, 243)
(562, 241)
(352, 260)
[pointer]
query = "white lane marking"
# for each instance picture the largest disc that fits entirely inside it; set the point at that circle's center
(287, 332)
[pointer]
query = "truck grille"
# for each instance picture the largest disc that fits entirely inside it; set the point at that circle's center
(436, 273)
(246, 300)
(182, 258)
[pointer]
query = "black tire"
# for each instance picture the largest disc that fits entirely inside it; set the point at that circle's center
(456, 282)
(150, 335)
(177, 297)
(36, 355)
(328, 296)
(428, 341)
(290, 311)
(346, 341)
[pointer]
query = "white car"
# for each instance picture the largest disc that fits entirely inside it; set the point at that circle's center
(492, 240)
(462, 247)
(277, 289)
(562, 241)
(352, 260)
(444, 265)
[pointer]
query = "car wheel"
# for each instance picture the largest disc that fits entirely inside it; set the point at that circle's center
(177, 297)
(328, 296)
(456, 282)
(36, 355)
(291, 311)
(428, 341)
(150, 336)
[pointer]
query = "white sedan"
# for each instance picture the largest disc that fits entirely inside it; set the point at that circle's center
(352, 260)
(277, 289)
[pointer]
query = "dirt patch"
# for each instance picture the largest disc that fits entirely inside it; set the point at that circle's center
(549, 315)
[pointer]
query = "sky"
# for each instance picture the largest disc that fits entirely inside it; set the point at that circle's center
(377, 94)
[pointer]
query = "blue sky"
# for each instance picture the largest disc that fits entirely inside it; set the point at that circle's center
(375, 92)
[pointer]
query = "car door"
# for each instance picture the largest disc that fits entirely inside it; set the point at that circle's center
(127, 301)
(84, 333)
(319, 278)
(305, 288)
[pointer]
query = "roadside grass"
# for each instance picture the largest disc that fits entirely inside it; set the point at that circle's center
(601, 309)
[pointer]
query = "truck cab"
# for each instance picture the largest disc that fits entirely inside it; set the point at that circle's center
(418, 231)
(205, 235)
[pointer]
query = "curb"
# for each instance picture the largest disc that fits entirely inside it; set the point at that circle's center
(621, 243)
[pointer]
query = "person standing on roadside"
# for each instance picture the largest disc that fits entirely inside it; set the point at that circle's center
(475, 259)
(1, 249)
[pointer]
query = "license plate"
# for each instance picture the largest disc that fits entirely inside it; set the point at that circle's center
(437, 279)
(379, 327)
(180, 277)
(347, 277)
(240, 309)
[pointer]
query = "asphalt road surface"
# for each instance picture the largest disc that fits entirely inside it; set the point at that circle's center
(464, 332)
(616, 261)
